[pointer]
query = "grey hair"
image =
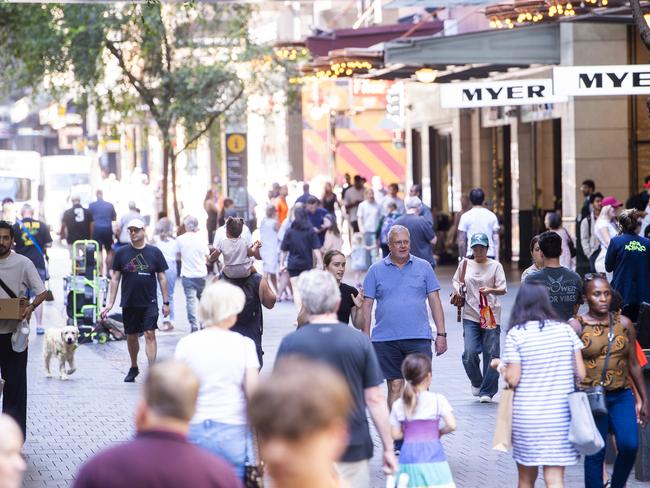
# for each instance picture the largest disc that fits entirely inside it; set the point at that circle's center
(412, 202)
(191, 223)
(27, 208)
(164, 227)
(319, 292)
(397, 228)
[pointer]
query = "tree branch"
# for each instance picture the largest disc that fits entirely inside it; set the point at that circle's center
(210, 121)
(143, 91)
(640, 22)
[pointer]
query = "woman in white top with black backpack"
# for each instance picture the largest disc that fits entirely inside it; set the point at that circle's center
(227, 366)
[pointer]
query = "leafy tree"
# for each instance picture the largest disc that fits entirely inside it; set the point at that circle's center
(184, 65)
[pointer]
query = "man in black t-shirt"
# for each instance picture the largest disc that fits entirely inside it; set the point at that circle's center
(32, 238)
(77, 223)
(564, 286)
(351, 353)
(139, 264)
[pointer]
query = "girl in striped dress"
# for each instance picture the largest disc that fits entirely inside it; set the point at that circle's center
(543, 356)
(417, 417)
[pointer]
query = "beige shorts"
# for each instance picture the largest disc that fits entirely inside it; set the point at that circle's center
(356, 474)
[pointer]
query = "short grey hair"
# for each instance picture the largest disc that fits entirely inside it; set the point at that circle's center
(412, 202)
(397, 229)
(191, 223)
(27, 209)
(171, 390)
(164, 227)
(220, 301)
(319, 292)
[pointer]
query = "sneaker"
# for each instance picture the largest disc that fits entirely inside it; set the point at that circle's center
(194, 328)
(40, 330)
(130, 376)
(485, 399)
(475, 391)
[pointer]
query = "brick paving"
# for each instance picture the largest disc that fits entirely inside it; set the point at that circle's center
(70, 421)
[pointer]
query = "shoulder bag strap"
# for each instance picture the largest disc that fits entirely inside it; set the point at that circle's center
(7, 290)
(610, 338)
(463, 271)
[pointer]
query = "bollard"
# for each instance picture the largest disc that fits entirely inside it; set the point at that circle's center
(642, 466)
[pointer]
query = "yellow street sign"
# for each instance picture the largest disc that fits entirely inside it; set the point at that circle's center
(236, 143)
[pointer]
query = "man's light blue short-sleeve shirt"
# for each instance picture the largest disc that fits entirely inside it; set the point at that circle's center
(401, 294)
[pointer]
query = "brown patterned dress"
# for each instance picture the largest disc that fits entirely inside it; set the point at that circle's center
(594, 338)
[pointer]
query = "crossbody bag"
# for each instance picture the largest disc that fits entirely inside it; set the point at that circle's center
(597, 394)
(458, 297)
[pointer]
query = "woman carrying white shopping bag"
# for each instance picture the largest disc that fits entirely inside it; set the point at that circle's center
(540, 354)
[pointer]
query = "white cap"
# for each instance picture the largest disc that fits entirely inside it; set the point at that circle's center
(137, 223)
(412, 202)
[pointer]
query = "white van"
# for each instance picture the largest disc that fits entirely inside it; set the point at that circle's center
(64, 176)
(20, 176)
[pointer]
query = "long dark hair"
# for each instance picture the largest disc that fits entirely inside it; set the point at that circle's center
(301, 219)
(532, 305)
(415, 369)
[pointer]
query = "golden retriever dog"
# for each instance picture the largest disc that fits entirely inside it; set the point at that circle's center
(61, 342)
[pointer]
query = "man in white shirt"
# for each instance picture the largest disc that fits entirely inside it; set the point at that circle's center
(393, 190)
(478, 220)
(368, 218)
(194, 253)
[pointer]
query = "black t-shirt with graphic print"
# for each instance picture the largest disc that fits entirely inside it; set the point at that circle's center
(139, 268)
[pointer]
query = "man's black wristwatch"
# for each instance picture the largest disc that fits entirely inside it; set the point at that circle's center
(441, 334)
(166, 303)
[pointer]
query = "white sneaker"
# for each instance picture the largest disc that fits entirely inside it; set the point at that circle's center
(475, 391)
(485, 399)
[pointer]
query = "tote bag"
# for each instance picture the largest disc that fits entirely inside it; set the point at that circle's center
(502, 440)
(583, 433)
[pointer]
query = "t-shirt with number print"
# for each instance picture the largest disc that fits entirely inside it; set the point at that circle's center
(77, 222)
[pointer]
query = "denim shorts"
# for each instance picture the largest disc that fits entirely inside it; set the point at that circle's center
(233, 443)
(391, 354)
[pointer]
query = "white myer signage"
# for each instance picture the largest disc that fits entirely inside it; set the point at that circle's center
(497, 93)
(602, 80)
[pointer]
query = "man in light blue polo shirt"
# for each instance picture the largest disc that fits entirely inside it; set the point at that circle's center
(402, 284)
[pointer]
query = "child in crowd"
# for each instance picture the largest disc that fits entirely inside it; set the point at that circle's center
(359, 257)
(237, 255)
(271, 251)
(416, 417)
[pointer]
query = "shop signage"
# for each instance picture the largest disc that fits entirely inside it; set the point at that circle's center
(602, 80)
(237, 172)
(497, 93)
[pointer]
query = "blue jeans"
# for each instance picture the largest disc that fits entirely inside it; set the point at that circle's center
(230, 442)
(621, 419)
(170, 274)
(479, 341)
(193, 288)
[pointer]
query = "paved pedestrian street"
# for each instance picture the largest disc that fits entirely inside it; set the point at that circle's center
(69, 421)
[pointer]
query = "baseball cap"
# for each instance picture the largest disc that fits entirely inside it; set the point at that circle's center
(611, 201)
(137, 223)
(479, 240)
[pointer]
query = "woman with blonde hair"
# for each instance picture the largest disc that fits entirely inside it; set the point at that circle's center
(227, 366)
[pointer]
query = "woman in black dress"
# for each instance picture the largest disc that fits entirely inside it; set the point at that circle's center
(299, 245)
(330, 200)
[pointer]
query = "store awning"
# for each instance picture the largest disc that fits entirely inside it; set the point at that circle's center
(323, 43)
(538, 44)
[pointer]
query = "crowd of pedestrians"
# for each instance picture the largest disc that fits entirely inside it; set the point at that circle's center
(309, 420)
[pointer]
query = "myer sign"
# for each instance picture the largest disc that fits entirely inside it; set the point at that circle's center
(497, 93)
(602, 80)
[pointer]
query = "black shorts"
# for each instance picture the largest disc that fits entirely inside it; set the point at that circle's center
(355, 226)
(139, 319)
(105, 238)
(391, 354)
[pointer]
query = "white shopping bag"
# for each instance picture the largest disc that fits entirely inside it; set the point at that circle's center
(401, 482)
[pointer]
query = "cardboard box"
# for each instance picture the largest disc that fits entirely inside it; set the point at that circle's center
(12, 308)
